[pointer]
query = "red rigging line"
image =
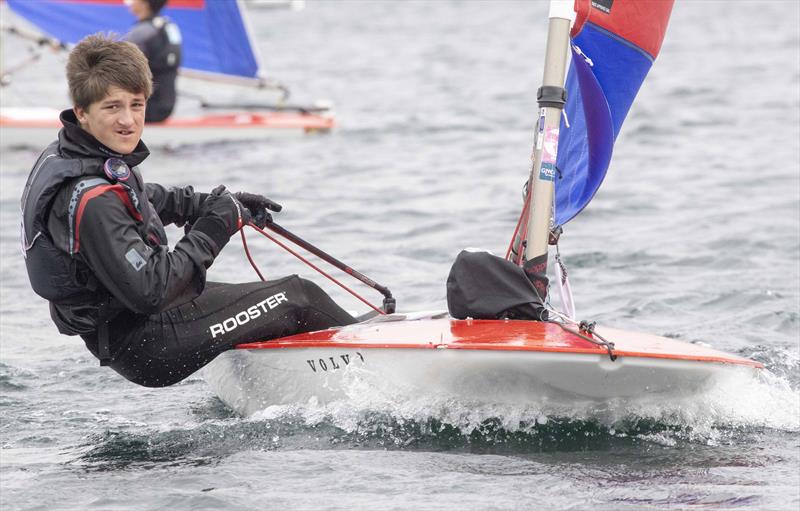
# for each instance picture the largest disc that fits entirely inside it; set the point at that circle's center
(522, 215)
(306, 261)
(249, 257)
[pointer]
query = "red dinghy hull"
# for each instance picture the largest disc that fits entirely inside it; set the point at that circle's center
(497, 335)
(518, 362)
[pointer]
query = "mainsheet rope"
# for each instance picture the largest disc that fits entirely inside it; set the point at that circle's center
(306, 261)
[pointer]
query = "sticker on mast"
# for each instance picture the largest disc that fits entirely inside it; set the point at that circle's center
(547, 172)
(550, 146)
(540, 131)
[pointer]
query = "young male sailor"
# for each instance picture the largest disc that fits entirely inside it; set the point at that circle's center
(160, 41)
(95, 247)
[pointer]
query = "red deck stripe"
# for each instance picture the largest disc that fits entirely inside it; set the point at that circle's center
(278, 344)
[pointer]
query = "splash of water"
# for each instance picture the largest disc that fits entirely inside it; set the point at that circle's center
(738, 402)
(739, 407)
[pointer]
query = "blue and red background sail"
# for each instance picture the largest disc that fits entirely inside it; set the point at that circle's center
(618, 40)
(215, 38)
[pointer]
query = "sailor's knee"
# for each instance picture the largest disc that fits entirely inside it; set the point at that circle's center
(313, 294)
(309, 287)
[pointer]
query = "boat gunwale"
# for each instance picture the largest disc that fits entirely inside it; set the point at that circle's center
(299, 343)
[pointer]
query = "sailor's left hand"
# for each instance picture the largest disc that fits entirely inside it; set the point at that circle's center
(258, 206)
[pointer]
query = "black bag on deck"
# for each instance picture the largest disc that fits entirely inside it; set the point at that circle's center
(484, 286)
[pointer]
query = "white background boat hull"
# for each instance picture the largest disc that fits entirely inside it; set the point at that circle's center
(38, 127)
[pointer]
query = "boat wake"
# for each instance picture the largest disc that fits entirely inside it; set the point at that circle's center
(740, 402)
(733, 412)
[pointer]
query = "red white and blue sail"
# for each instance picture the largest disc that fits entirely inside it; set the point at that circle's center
(614, 44)
(214, 32)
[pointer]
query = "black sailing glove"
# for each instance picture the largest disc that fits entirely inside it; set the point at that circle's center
(221, 215)
(258, 206)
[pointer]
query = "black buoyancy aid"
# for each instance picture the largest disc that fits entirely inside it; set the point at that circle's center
(167, 56)
(75, 160)
(50, 270)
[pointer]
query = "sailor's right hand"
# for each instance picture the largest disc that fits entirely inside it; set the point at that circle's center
(258, 206)
(221, 215)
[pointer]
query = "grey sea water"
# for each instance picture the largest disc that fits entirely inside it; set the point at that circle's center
(695, 235)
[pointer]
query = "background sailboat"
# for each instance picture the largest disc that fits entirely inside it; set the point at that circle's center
(217, 46)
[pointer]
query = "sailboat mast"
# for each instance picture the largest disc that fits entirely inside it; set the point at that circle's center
(551, 96)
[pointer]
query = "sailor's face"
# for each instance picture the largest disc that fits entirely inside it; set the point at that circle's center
(117, 120)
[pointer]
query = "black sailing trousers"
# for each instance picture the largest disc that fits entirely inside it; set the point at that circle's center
(163, 349)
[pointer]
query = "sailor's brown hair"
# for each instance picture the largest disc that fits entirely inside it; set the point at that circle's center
(99, 61)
